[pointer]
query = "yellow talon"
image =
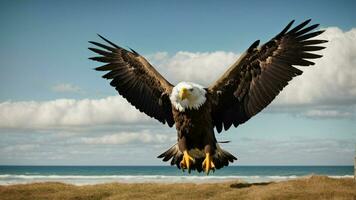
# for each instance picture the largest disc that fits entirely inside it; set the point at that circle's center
(186, 161)
(208, 164)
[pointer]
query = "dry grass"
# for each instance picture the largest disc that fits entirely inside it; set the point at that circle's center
(316, 187)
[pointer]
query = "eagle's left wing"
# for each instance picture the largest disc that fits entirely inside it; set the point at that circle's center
(253, 81)
(136, 80)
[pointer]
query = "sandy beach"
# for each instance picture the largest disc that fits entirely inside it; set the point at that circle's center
(314, 187)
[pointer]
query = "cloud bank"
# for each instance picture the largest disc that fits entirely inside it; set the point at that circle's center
(326, 90)
(295, 151)
(329, 87)
(68, 112)
(141, 147)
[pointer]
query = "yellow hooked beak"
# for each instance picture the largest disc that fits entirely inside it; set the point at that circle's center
(183, 93)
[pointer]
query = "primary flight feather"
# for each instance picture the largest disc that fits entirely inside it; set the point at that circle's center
(247, 87)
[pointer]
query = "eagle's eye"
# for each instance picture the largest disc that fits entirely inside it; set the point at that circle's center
(191, 89)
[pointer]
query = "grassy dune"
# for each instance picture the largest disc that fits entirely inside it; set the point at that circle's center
(315, 187)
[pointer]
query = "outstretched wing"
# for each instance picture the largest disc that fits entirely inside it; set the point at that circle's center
(136, 80)
(254, 80)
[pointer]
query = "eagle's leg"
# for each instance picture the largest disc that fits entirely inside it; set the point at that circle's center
(187, 160)
(208, 163)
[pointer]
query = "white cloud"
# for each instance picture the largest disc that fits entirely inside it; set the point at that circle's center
(141, 147)
(144, 137)
(332, 80)
(201, 67)
(68, 112)
(66, 88)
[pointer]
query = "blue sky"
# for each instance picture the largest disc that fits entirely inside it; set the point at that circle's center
(44, 72)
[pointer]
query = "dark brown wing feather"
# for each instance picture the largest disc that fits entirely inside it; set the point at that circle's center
(136, 80)
(253, 81)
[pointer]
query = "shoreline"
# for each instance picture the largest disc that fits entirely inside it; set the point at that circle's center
(311, 187)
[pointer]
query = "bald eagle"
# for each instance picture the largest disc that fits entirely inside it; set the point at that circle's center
(247, 87)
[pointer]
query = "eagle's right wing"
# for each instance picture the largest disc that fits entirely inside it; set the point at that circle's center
(136, 80)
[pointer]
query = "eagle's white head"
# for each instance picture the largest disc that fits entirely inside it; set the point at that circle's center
(187, 95)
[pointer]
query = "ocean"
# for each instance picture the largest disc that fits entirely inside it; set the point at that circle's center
(83, 175)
